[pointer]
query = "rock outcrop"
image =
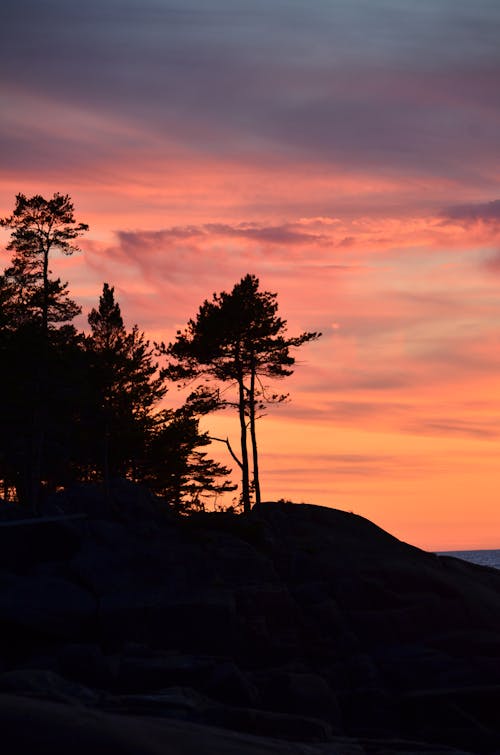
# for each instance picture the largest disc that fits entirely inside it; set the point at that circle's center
(293, 624)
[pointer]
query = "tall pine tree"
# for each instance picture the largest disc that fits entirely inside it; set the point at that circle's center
(33, 306)
(124, 388)
(238, 338)
(40, 226)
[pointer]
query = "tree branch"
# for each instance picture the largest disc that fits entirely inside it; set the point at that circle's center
(226, 441)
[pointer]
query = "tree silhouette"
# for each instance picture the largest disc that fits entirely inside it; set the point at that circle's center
(39, 226)
(237, 338)
(33, 304)
(124, 387)
(81, 405)
(28, 457)
(176, 468)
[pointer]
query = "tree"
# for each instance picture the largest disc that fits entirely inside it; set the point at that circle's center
(39, 226)
(37, 440)
(237, 338)
(175, 467)
(124, 387)
(32, 303)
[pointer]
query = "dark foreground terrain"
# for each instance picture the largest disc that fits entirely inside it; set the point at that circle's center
(296, 629)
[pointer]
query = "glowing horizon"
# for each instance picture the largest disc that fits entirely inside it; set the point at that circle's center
(346, 155)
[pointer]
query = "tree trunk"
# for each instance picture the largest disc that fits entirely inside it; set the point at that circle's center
(45, 302)
(39, 428)
(255, 458)
(245, 479)
(37, 444)
(41, 409)
(105, 462)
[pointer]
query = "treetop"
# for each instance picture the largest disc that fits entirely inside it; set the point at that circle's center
(38, 224)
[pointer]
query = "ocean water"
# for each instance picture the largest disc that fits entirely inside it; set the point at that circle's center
(483, 558)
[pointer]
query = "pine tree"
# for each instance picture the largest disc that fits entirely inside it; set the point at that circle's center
(124, 388)
(40, 226)
(237, 338)
(33, 306)
(177, 469)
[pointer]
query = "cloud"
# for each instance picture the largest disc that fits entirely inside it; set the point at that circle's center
(409, 318)
(393, 89)
(451, 426)
(345, 465)
(282, 234)
(285, 234)
(485, 212)
(344, 412)
(222, 252)
(492, 263)
(356, 245)
(180, 266)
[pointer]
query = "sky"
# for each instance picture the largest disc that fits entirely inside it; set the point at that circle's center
(344, 151)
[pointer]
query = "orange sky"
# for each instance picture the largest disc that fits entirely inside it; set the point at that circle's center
(351, 162)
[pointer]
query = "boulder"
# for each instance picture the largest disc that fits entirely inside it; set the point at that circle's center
(46, 685)
(37, 608)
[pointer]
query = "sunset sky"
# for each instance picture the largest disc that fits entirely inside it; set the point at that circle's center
(347, 152)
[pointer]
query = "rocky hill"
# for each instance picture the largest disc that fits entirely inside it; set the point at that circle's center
(297, 628)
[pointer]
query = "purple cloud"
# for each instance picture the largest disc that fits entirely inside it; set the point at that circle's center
(486, 212)
(285, 234)
(392, 87)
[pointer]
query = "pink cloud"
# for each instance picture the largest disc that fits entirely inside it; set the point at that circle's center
(492, 263)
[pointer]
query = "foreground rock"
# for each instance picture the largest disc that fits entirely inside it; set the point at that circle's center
(58, 729)
(296, 623)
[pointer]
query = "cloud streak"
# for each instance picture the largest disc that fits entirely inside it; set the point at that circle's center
(486, 212)
(250, 80)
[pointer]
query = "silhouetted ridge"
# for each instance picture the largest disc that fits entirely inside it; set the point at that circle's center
(297, 622)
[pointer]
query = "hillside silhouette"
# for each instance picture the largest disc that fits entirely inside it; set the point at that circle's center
(293, 623)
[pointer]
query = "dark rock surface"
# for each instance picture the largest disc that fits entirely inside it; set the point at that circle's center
(293, 624)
